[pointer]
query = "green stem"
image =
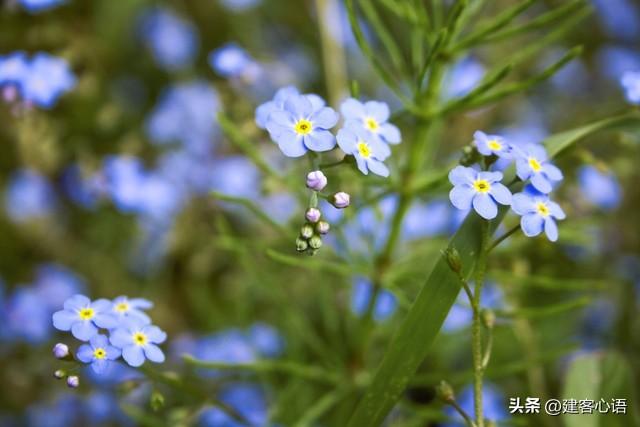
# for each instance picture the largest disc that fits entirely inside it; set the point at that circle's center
(333, 56)
(463, 413)
(503, 237)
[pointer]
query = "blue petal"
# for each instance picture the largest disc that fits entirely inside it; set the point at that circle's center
(379, 150)
(154, 353)
(551, 229)
(552, 172)
(522, 204)
(461, 196)
(101, 305)
(378, 167)
(112, 352)
(85, 353)
(63, 319)
(531, 224)
(121, 338)
(325, 118)
(541, 183)
(106, 320)
(262, 113)
(462, 175)
(485, 206)
(490, 176)
(76, 302)
(352, 109)
(140, 303)
(99, 366)
(316, 101)
(390, 133)
(320, 140)
(154, 334)
(378, 110)
(555, 210)
(347, 140)
(537, 151)
(83, 330)
(99, 341)
(523, 170)
(291, 144)
(500, 193)
(299, 106)
(362, 164)
(133, 355)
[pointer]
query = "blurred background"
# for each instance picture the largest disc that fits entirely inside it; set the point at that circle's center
(112, 151)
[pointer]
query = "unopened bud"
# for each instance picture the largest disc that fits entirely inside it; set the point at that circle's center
(306, 231)
(315, 242)
(59, 374)
(445, 392)
(73, 381)
(340, 200)
(301, 245)
(488, 318)
(453, 259)
(60, 351)
(156, 401)
(323, 227)
(316, 180)
(313, 215)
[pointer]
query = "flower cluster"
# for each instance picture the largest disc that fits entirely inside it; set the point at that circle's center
(299, 123)
(483, 190)
(39, 80)
(109, 329)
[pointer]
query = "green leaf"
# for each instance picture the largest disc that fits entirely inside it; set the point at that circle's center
(412, 339)
(600, 376)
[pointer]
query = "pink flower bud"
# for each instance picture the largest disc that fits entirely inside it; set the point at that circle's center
(313, 215)
(316, 180)
(340, 200)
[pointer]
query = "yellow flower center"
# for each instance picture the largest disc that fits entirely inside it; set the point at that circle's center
(303, 127)
(139, 338)
(371, 124)
(494, 145)
(122, 307)
(364, 149)
(99, 353)
(535, 164)
(542, 209)
(481, 185)
(86, 313)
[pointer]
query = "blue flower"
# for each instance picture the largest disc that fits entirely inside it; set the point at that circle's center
(36, 6)
(124, 307)
(631, 83)
(371, 116)
(532, 163)
(47, 77)
(172, 40)
(600, 188)
(277, 103)
(427, 220)
(302, 126)
(98, 352)
(29, 196)
(488, 145)
(368, 150)
(138, 341)
(362, 292)
(265, 339)
(83, 317)
(463, 76)
(232, 61)
(247, 399)
(13, 68)
(478, 189)
(26, 316)
(538, 213)
(620, 18)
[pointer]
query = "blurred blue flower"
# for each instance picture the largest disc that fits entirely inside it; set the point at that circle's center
(362, 292)
(99, 353)
(279, 206)
(532, 163)
(124, 307)
(47, 78)
(232, 61)
(13, 68)
(600, 188)
(630, 81)
(265, 339)
(29, 196)
(488, 145)
(368, 150)
(26, 316)
(185, 113)
(35, 6)
(85, 190)
(138, 341)
(102, 407)
(427, 220)
(236, 176)
(463, 76)
(247, 399)
(56, 283)
(620, 18)
(62, 412)
(538, 213)
(302, 126)
(240, 5)
(482, 190)
(277, 103)
(493, 405)
(461, 314)
(83, 317)
(372, 117)
(228, 346)
(614, 61)
(173, 41)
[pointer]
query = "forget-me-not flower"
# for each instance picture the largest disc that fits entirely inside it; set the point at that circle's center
(488, 145)
(371, 116)
(124, 307)
(29, 196)
(538, 213)
(232, 61)
(482, 190)
(301, 127)
(83, 317)
(46, 79)
(368, 150)
(532, 163)
(630, 81)
(98, 352)
(277, 104)
(138, 341)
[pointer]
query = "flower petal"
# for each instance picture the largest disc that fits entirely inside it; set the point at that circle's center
(320, 140)
(316, 101)
(83, 330)
(390, 133)
(552, 171)
(76, 302)
(106, 320)
(462, 175)
(112, 352)
(378, 167)
(291, 144)
(154, 353)
(99, 340)
(325, 118)
(522, 204)
(362, 164)
(531, 224)
(99, 366)
(85, 353)
(120, 338)
(299, 106)
(551, 229)
(485, 206)
(352, 109)
(101, 305)
(141, 303)
(133, 355)
(347, 140)
(500, 193)
(154, 334)
(461, 196)
(378, 110)
(555, 210)
(541, 183)
(63, 319)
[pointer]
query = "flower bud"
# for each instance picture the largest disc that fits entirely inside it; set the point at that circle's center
(445, 392)
(340, 200)
(60, 351)
(315, 242)
(323, 227)
(59, 374)
(156, 401)
(488, 318)
(306, 231)
(73, 381)
(316, 180)
(452, 256)
(313, 215)
(301, 245)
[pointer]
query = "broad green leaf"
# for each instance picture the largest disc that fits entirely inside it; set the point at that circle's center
(411, 341)
(600, 376)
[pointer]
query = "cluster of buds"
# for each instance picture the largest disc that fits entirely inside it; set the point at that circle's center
(62, 352)
(310, 238)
